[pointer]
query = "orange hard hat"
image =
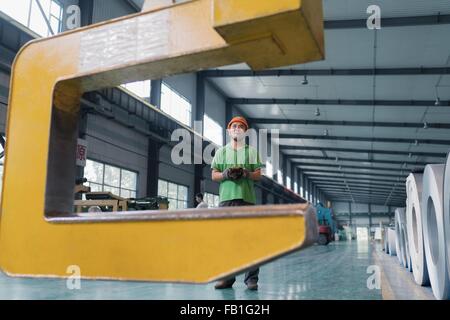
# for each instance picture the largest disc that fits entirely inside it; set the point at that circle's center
(240, 120)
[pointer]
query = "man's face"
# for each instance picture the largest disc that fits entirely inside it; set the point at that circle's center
(237, 131)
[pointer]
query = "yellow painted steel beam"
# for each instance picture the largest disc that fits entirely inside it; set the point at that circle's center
(37, 237)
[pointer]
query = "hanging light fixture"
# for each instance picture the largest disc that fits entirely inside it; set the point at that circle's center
(305, 81)
(317, 112)
(438, 100)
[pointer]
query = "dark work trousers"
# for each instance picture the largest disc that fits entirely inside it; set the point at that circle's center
(251, 275)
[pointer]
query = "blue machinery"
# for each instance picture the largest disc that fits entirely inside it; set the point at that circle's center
(327, 224)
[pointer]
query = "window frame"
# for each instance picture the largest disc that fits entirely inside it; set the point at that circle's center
(218, 124)
(32, 8)
(178, 199)
(120, 177)
(215, 196)
(173, 91)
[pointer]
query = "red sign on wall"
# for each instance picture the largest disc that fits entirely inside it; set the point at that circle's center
(82, 147)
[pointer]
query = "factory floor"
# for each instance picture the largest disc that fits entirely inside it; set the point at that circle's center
(336, 271)
(397, 282)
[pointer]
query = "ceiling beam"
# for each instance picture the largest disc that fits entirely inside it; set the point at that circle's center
(365, 139)
(377, 201)
(230, 73)
(348, 198)
(362, 187)
(364, 195)
(436, 19)
(307, 157)
(337, 102)
(328, 123)
(353, 185)
(316, 181)
(356, 191)
(350, 150)
(333, 165)
(316, 176)
(368, 201)
(339, 173)
(353, 174)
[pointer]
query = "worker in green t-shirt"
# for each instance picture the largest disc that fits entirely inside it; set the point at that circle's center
(236, 166)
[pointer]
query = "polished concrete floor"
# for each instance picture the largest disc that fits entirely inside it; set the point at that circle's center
(397, 282)
(336, 271)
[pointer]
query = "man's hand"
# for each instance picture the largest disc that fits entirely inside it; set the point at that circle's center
(246, 173)
(233, 173)
(229, 174)
(236, 173)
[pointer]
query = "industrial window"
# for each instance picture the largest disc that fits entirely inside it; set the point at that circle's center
(175, 105)
(140, 88)
(176, 194)
(280, 177)
(288, 182)
(212, 130)
(268, 171)
(104, 177)
(295, 187)
(42, 16)
(211, 199)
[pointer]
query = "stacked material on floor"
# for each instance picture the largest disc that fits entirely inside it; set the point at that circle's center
(422, 232)
(400, 237)
(414, 228)
(392, 239)
(433, 231)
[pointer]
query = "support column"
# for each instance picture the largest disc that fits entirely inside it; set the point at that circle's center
(350, 213)
(310, 191)
(199, 114)
(285, 171)
(263, 196)
(293, 177)
(298, 179)
(155, 93)
(275, 172)
(390, 213)
(305, 183)
(153, 167)
(86, 11)
(370, 219)
(228, 117)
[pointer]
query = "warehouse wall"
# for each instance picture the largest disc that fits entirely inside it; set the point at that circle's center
(117, 145)
(109, 9)
(215, 106)
(360, 214)
(185, 85)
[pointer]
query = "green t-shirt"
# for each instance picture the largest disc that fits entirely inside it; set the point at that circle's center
(246, 157)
